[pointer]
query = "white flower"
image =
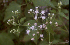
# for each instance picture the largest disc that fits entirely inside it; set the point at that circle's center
(43, 17)
(17, 10)
(9, 20)
(42, 12)
(33, 34)
(30, 9)
(28, 12)
(50, 22)
(41, 35)
(35, 24)
(60, 3)
(53, 14)
(28, 31)
(36, 7)
(28, 23)
(32, 38)
(48, 13)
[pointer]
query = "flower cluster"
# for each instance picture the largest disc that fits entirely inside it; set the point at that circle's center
(11, 21)
(36, 12)
(14, 31)
(59, 4)
(16, 12)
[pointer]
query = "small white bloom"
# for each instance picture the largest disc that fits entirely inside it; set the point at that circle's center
(41, 35)
(56, 23)
(41, 39)
(60, 3)
(35, 24)
(50, 22)
(43, 17)
(36, 7)
(28, 23)
(37, 32)
(32, 38)
(30, 9)
(48, 13)
(17, 10)
(33, 34)
(42, 12)
(53, 14)
(9, 20)
(28, 12)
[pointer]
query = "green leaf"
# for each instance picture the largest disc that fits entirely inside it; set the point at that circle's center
(65, 2)
(65, 11)
(42, 3)
(43, 43)
(63, 15)
(55, 41)
(22, 19)
(30, 21)
(19, 1)
(13, 6)
(53, 11)
(5, 39)
(26, 38)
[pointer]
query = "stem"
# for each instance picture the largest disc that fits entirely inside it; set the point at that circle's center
(49, 38)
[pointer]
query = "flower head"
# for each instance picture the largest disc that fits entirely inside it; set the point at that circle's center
(32, 38)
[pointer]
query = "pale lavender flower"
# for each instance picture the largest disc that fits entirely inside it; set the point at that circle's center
(50, 22)
(44, 25)
(43, 17)
(28, 31)
(37, 32)
(32, 28)
(46, 22)
(36, 11)
(40, 26)
(41, 35)
(32, 38)
(43, 12)
(34, 34)
(35, 24)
